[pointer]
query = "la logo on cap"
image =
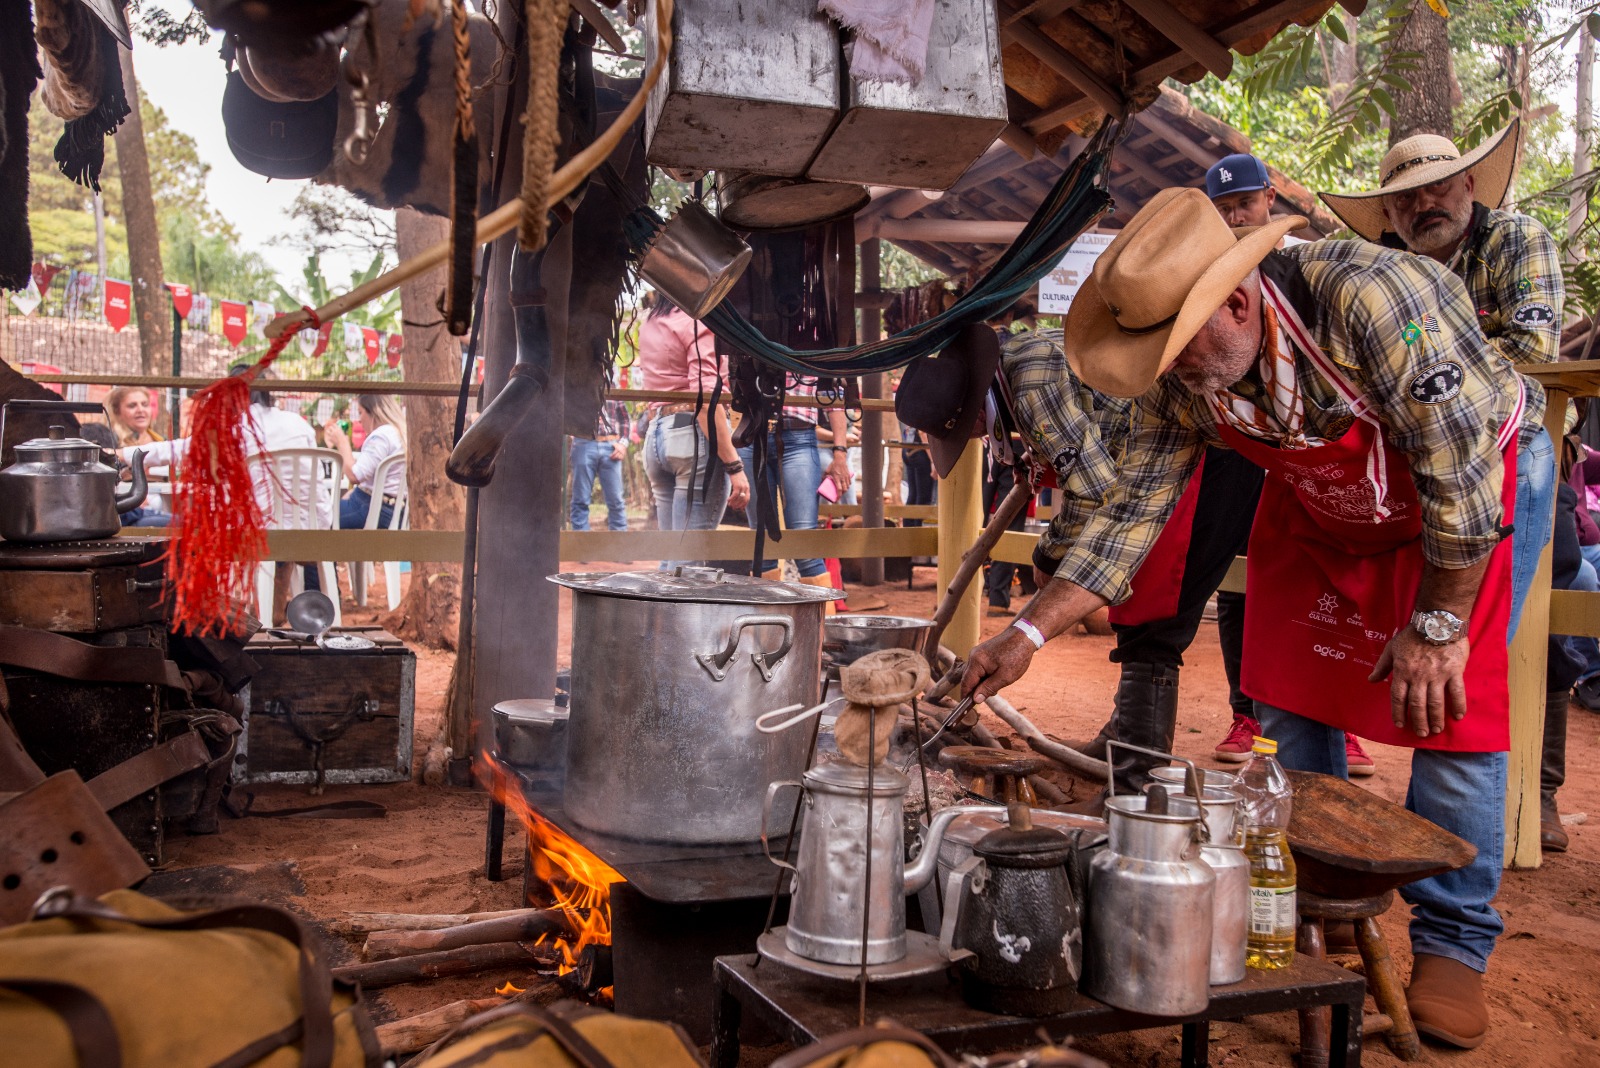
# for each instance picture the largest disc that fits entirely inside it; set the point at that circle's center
(1225, 174)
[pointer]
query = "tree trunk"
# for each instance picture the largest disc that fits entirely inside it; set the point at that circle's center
(1578, 206)
(1427, 107)
(144, 235)
(430, 612)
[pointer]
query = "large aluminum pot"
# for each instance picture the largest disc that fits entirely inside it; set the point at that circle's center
(669, 672)
(849, 637)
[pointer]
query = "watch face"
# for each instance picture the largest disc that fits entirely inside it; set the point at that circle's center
(1437, 629)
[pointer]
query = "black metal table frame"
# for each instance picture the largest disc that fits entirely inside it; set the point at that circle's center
(739, 989)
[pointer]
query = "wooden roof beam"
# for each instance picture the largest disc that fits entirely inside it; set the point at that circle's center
(1052, 55)
(1171, 23)
(947, 231)
(1176, 138)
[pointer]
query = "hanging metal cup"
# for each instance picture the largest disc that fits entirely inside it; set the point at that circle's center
(695, 260)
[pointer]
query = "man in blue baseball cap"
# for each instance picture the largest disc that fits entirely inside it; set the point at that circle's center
(1241, 189)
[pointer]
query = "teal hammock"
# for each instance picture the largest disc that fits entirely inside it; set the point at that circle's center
(1078, 198)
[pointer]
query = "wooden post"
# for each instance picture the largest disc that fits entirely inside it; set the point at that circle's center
(960, 520)
(1527, 685)
(871, 422)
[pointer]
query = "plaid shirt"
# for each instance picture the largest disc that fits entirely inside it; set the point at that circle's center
(1077, 431)
(1389, 320)
(613, 421)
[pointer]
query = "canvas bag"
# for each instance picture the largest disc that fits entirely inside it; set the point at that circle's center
(128, 982)
(564, 1035)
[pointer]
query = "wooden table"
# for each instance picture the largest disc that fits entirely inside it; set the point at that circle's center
(802, 1008)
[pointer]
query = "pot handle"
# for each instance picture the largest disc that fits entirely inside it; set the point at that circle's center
(765, 725)
(977, 871)
(766, 811)
(716, 664)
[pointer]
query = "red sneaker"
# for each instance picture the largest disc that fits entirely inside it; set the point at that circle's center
(1356, 758)
(1235, 748)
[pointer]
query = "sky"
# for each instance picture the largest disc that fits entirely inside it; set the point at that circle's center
(186, 82)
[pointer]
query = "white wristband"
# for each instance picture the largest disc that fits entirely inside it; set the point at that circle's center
(1032, 632)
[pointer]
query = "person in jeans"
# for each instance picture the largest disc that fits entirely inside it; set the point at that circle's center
(601, 457)
(385, 424)
(692, 480)
(792, 480)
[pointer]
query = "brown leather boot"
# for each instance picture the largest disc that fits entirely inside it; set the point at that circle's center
(1553, 772)
(1095, 747)
(1446, 1001)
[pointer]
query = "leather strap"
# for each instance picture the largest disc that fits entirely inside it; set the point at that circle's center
(862, 1037)
(565, 1035)
(316, 984)
(94, 1036)
(57, 654)
(149, 769)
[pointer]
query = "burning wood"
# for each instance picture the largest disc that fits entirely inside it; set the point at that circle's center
(355, 923)
(578, 882)
(530, 926)
(446, 962)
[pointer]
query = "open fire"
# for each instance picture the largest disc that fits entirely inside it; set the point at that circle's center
(575, 880)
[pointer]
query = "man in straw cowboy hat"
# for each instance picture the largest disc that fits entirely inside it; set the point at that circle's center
(1358, 379)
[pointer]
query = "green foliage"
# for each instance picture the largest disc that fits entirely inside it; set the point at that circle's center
(314, 291)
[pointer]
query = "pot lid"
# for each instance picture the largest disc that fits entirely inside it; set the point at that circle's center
(1020, 841)
(840, 776)
(693, 584)
(59, 443)
(971, 828)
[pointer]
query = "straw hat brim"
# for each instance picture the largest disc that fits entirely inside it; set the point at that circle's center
(1495, 160)
(1121, 364)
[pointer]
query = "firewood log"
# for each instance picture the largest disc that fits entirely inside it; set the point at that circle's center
(446, 962)
(519, 927)
(364, 922)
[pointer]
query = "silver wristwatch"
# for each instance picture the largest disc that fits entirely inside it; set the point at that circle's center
(1438, 627)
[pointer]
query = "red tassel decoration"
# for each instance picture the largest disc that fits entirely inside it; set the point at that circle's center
(221, 529)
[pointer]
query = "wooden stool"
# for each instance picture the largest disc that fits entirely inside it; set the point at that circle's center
(1394, 1021)
(1007, 771)
(1352, 851)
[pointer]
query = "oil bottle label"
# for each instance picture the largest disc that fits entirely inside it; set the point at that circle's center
(1272, 910)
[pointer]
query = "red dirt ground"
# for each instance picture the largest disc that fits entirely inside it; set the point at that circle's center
(427, 856)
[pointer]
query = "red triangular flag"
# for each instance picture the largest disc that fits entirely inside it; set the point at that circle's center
(369, 341)
(393, 350)
(233, 321)
(44, 274)
(182, 298)
(118, 303)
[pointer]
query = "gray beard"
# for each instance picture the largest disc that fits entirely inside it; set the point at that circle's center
(1227, 365)
(1441, 237)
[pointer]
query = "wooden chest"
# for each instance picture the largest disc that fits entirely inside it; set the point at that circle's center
(82, 587)
(350, 712)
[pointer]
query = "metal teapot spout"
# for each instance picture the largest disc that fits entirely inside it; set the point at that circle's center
(921, 870)
(127, 502)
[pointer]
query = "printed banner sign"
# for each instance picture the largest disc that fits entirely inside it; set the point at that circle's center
(1057, 288)
(118, 303)
(234, 321)
(261, 313)
(182, 298)
(392, 350)
(369, 342)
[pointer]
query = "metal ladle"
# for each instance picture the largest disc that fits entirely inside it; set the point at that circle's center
(311, 613)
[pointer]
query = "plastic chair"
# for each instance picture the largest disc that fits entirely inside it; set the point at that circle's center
(361, 573)
(303, 485)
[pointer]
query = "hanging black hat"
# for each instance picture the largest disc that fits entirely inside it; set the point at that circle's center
(293, 139)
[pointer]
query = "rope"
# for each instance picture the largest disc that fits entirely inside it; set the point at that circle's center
(464, 179)
(541, 133)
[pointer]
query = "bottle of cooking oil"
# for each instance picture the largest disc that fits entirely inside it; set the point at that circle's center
(1267, 799)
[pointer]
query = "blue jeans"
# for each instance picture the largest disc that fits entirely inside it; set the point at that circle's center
(1533, 518)
(1586, 650)
(591, 459)
(676, 457)
(354, 507)
(1465, 793)
(798, 478)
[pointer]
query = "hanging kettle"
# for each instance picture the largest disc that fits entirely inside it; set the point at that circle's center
(1012, 921)
(58, 490)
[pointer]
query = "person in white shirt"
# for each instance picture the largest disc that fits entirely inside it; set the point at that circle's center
(386, 435)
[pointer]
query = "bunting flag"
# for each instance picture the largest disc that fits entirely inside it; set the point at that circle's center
(43, 275)
(200, 312)
(352, 343)
(182, 298)
(261, 313)
(118, 303)
(233, 321)
(392, 352)
(311, 341)
(80, 288)
(369, 342)
(28, 299)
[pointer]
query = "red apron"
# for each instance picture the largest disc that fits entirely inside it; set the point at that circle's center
(1335, 561)
(1159, 580)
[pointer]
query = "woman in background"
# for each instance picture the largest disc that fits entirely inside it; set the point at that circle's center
(385, 424)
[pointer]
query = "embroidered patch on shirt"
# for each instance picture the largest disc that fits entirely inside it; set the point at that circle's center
(1412, 333)
(1438, 383)
(1527, 285)
(1430, 324)
(1534, 313)
(1065, 459)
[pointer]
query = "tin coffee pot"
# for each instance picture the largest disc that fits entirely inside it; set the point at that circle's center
(58, 489)
(1150, 905)
(850, 876)
(1012, 922)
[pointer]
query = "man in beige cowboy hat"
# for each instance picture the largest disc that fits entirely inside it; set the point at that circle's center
(1358, 379)
(1438, 202)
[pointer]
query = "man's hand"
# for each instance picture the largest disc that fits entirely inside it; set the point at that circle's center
(619, 449)
(1425, 681)
(997, 663)
(840, 470)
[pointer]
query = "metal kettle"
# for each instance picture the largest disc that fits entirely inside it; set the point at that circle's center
(59, 490)
(1150, 908)
(1012, 920)
(846, 859)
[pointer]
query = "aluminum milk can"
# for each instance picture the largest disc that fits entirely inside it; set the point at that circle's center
(1012, 920)
(1149, 910)
(831, 890)
(1230, 909)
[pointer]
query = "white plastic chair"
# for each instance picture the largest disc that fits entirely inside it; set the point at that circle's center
(361, 573)
(303, 486)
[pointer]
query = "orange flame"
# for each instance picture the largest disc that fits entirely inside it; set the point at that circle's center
(579, 882)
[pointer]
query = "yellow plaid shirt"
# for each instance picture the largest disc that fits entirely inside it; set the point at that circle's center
(1392, 322)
